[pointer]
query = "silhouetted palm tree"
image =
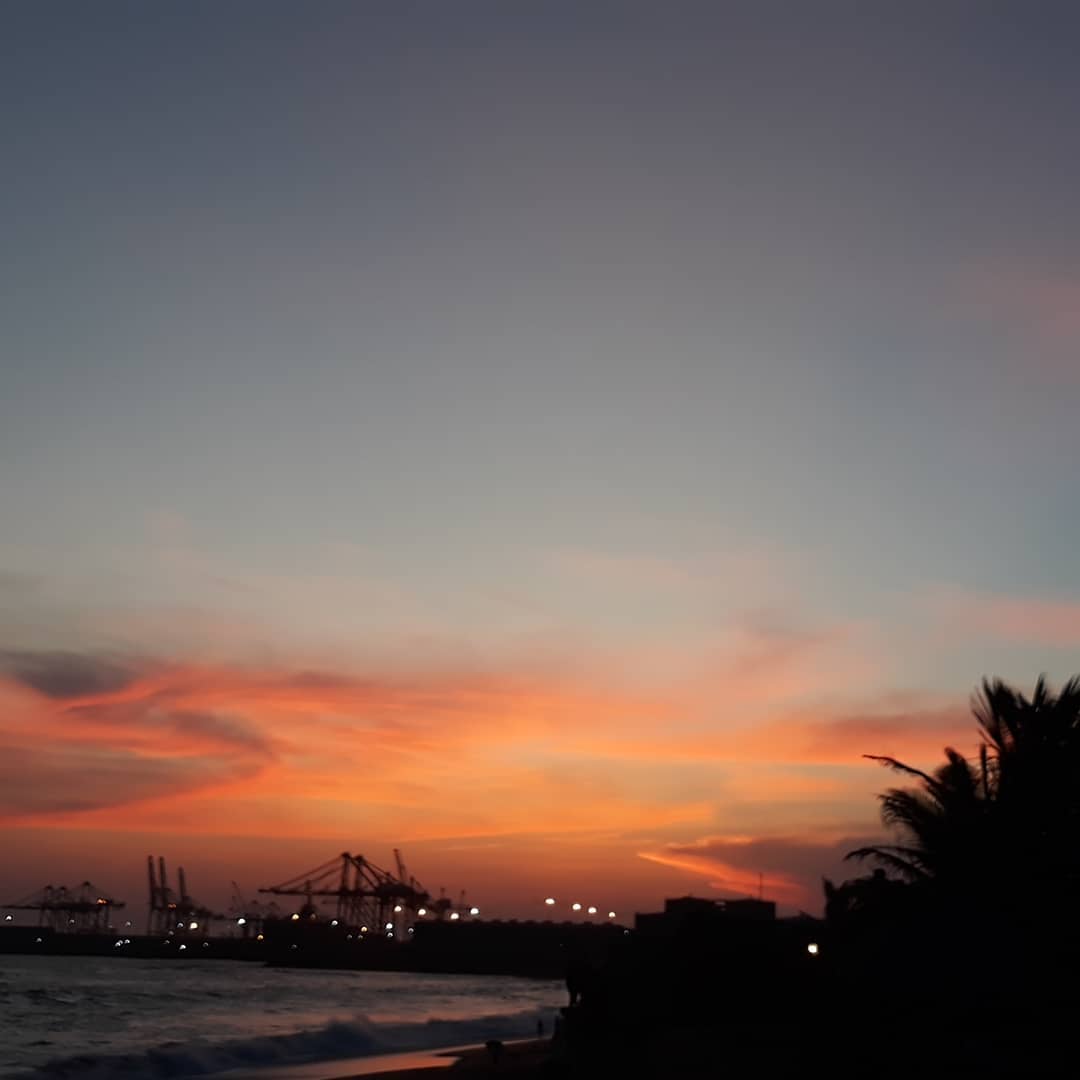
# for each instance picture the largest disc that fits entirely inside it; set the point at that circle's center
(1034, 749)
(1001, 838)
(943, 822)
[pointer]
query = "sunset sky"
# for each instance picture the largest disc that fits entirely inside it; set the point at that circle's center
(556, 439)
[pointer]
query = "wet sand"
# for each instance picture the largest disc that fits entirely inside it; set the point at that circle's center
(522, 1058)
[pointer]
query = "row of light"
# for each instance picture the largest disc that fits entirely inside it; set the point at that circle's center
(590, 910)
(295, 918)
(454, 915)
(813, 948)
(71, 922)
(397, 910)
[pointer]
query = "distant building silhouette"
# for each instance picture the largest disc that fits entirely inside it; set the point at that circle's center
(683, 911)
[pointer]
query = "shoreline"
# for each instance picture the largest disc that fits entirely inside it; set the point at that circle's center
(519, 1057)
(468, 1058)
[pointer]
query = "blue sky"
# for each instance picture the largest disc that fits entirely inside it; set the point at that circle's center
(612, 343)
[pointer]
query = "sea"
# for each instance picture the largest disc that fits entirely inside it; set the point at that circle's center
(91, 1018)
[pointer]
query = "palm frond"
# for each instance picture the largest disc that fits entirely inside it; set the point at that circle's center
(898, 766)
(887, 856)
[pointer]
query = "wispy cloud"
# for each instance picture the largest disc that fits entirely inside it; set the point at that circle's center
(827, 735)
(1038, 305)
(38, 783)
(114, 742)
(1035, 620)
(785, 868)
(64, 675)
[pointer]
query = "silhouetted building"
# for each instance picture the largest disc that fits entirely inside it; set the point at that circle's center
(750, 908)
(693, 911)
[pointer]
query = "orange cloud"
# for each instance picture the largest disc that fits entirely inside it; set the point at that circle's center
(785, 868)
(543, 755)
(825, 736)
(105, 744)
(330, 748)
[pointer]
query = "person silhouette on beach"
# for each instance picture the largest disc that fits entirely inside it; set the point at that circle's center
(575, 976)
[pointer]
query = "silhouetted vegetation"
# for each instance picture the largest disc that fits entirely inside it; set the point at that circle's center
(969, 921)
(957, 950)
(997, 835)
(953, 957)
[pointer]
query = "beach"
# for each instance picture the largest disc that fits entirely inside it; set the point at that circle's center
(519, 1058)
(92, 1017)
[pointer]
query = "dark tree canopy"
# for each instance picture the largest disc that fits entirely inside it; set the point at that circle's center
(995, 840)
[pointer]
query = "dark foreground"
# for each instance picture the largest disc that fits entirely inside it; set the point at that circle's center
(787, 1051)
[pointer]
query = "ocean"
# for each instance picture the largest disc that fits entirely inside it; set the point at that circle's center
(89, 1018)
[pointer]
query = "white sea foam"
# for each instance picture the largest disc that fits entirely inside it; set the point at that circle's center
(341, 1039)
(92, 1019)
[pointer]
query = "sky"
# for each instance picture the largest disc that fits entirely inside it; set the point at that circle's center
(554, 439)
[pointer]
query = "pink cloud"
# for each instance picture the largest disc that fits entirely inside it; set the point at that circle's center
(105, 743)
(785, 868)
(1040, 306)
(1027, 619)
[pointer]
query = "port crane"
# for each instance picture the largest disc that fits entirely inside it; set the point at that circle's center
(249, 915)
(365, 896)
(174, 913)
(85, 910)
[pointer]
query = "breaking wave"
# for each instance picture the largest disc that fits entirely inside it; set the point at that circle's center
(358, 1037)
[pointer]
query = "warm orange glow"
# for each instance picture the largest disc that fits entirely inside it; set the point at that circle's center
(464, 760)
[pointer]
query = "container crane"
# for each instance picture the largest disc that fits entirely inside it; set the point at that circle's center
(85, 910)
(365, 896)
(172, 914)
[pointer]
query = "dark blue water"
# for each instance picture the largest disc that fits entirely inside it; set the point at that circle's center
(90, 1018)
